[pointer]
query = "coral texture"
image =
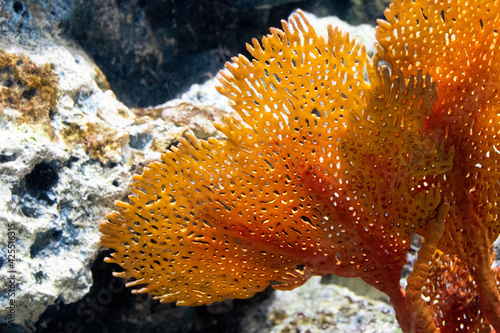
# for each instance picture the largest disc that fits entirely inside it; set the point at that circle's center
(453, 292)
(458, 45)
(330, 166)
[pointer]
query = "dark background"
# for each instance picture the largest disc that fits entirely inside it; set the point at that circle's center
(152, 50)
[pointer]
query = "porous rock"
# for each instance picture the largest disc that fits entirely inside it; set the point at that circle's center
(68, 150)
(57, 168)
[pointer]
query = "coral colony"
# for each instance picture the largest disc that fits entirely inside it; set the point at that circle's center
(330, 166)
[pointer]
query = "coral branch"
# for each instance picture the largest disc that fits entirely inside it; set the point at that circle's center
(489, 296)
(421, 317)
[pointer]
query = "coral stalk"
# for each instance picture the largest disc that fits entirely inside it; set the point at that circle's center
(487, 284)
(421, 316)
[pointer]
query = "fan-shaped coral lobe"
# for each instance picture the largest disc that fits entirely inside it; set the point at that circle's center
(457, 43)
(322, 172)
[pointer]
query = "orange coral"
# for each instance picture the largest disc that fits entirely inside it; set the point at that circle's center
(458, 46)
(324, 171)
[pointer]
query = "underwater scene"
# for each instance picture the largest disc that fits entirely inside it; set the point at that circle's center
(249, 166)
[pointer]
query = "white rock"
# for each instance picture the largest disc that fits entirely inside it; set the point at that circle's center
(56, 184)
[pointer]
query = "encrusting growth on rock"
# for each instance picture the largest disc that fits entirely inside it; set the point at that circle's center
(29, 88)
(330, 166)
